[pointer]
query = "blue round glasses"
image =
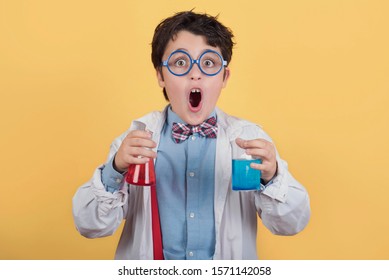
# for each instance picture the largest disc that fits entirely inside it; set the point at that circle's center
(179, 63)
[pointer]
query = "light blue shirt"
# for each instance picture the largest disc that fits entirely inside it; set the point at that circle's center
(186, 193)
(185, 174)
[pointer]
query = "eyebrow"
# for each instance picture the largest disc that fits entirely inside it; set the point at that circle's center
(183, 49)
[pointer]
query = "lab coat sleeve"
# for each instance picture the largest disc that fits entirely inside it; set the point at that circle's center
(284, 205)
(98, 212)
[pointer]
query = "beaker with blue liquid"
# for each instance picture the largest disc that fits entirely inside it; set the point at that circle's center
(244, 178)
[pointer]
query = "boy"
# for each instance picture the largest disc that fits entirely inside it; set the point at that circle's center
(200, 216)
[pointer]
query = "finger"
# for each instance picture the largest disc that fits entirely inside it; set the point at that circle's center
(139, 160)
(258, 166)
(267, 170)
(240, 142)
(135, 157)
(264, 166)
(255, 143)
(139, 134)
(141, 142)
(139, 138)
(141, 152)
(264, 154)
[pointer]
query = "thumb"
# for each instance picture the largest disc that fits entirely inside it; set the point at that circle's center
(240, 142)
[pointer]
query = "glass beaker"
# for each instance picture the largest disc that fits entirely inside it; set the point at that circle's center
(244, 178)
(141, 174)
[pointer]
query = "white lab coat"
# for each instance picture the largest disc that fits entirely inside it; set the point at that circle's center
(283, 206)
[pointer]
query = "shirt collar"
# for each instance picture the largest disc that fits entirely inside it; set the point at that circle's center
(173, 117)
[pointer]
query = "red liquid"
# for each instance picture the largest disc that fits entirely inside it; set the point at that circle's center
(141, 174)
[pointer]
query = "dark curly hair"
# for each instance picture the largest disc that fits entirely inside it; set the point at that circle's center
(216, 34)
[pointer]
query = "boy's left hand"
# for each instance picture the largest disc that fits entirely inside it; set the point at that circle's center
(265, 150)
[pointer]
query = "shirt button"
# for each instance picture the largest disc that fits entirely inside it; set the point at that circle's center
(191, 174)
(190, 254)
(193, 138)
(192, 215)
(118, 180)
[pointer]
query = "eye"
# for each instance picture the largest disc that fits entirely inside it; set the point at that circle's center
(180, 63)
(208, 63)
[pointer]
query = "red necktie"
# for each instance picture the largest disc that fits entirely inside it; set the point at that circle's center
(144, 175)
(156, 226)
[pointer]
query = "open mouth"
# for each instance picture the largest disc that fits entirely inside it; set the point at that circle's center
(195, 98)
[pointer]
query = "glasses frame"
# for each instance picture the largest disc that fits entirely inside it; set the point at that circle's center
(194, 61)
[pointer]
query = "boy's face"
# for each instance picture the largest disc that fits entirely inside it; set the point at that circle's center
(193, 96)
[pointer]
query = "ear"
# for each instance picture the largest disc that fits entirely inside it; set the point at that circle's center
(160, 79)
(226, 76)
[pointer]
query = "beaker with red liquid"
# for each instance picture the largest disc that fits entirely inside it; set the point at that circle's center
(141, 174)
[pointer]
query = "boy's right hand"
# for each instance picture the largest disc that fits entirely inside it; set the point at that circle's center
(133, 150)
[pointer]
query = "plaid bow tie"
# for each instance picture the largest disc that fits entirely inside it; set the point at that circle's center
(181, 132)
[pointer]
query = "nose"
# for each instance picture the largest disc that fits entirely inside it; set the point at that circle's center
(195, 73)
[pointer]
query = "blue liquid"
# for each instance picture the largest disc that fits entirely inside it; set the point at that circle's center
(244, 177)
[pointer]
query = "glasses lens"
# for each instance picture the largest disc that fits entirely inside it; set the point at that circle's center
(179, 63)
(211, 63)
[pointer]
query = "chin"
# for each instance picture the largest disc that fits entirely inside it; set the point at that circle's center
(198, 118)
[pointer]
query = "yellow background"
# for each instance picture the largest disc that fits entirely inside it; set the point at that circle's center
(314, 74)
